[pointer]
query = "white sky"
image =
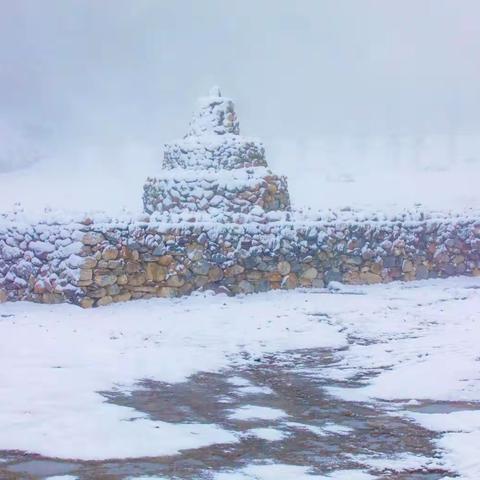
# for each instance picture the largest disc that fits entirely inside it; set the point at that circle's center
(88, 71)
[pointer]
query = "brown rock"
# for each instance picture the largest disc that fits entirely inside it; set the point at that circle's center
(175, 281)
(86, 302)
(369, 277)
(110, 253)
(113, 290)
(167, 292)
(52, 298)
(89, 262)
(407, 266)
(155, 272)
(133, 267)
(215, 274)
(352, 277)
(274, 276)
(136, 279)
(254, 275)
(103, 280)
(107, 300)
(92, 238)
(245, 287)
(3, 296)
(234, 270)
(284, 268)
(85, 274)
(165, 260)
(318, 283)
(122, 280)
(123, 297)
(309, 273)
(290, 281)
(98, 293)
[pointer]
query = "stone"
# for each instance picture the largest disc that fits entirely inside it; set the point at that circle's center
(110, 253)
(215, 274)
(107, 300)
(92, 238)
(370, 278)
(3, 296)
(274, 276)
(421, 272)
(201, 267)
(309, 273)
(155, 272)
(115, 264)
(98, 293)
(113, 290)
(89, 262)
(318, 283)
(133, 267)
(332, 276)
(165, 260)
(284, 268)
(407, 266)
(122, 279)
(234, 270)
(103, 280)
(245, 287)
(85, 274)
(254, 275)
(290, 281)
(175, 281)
(86, 302)
(167, 292)
(136, 279)
(123, 297)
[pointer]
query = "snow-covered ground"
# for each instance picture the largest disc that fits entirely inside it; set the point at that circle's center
(417, 341)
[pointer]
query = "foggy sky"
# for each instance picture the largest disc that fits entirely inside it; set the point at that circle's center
(93, 71)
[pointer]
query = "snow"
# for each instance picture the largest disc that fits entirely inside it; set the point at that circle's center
(288, 472)
(268, 472)
(254, 412)
(59, 357)
(62, 477)
(419, 341)
(269, 434)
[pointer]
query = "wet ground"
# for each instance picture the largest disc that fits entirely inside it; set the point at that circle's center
(299, 424)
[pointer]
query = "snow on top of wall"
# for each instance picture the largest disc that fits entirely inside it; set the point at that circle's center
(255, 221)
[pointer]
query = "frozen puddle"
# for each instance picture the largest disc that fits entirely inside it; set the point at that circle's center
(279, 422)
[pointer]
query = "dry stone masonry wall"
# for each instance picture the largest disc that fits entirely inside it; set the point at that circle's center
(94, 264)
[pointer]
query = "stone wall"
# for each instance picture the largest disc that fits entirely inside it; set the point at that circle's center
(96, 263)
(238, 192)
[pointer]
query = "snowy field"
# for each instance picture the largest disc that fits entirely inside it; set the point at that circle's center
(412, 343)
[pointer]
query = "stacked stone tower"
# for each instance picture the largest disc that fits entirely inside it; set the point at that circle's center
(214, 169)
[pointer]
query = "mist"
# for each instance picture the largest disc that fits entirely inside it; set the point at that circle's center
(323, 82)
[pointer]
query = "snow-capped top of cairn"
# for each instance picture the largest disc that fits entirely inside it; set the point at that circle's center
(215, 115)
(213, 141)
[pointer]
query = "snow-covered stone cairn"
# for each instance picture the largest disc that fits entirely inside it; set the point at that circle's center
(214, 169)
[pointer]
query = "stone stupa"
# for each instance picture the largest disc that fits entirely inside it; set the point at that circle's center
(214, 169)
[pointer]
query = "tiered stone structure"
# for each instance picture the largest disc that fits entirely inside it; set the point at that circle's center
(214, 169)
